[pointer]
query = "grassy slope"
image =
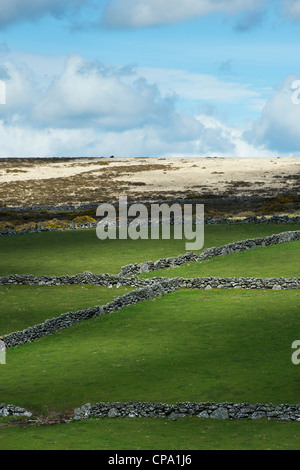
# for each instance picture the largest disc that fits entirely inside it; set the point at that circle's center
(71, 252)
(185, 346)
(23, 306)
(151, 350)
(158, 434)
(271, 261)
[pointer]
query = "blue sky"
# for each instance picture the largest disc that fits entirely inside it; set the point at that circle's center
(149, 78)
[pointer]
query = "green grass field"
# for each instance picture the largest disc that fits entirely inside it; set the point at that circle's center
(24, 306)
(191, 345)
(149, 434)
(185, 346)
(71, 252)
(272, 261)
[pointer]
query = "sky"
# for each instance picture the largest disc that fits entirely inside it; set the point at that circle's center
(150, 78)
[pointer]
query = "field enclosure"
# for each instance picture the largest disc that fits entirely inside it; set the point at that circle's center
(189, 345)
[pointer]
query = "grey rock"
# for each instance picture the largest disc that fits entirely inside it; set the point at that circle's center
(12, 410)
(219, 413)
(203, 414)
(113, 413)
(258, 415)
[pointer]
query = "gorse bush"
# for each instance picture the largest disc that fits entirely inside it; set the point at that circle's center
(84, 219)
(279, 204)
(55, 223)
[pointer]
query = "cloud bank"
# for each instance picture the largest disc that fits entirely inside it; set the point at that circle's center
(291, 9)
(12, 11)
(97, 109)
(279, 125)
(93, 108)
(143, 13)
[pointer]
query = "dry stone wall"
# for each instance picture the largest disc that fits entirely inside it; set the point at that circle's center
(147, 266)
(172, 262)
(13, 410)
(70, 318)
(153, 288)
(224, 410)
(148, 289)
(278, 219)
(176, 282)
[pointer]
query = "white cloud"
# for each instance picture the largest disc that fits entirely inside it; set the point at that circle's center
(142, 13)
(239, 146)
(89, 93)
(18, 140)
(103, 106)
(21, 91)
(18, 10)
(94, 109)
(291, 9)
(279, 125)
(196, 86)
(215, 139)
